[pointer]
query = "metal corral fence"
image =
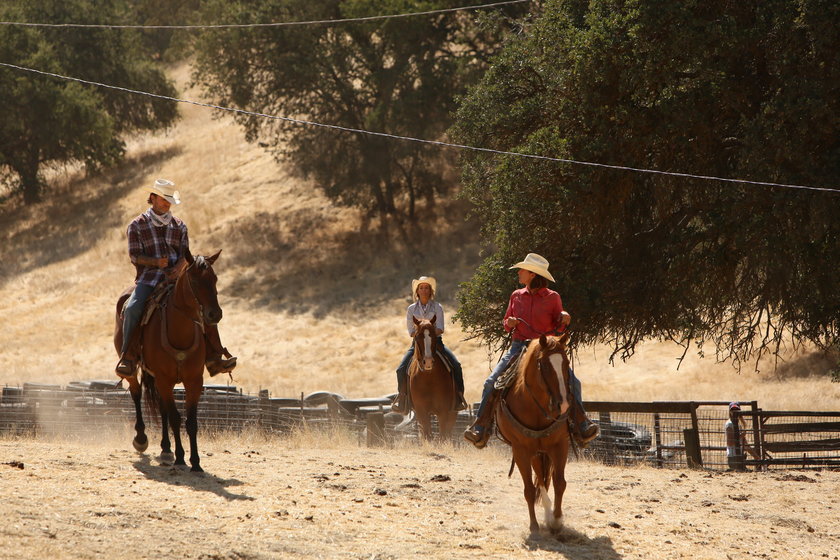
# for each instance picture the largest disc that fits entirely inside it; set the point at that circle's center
(662, 434)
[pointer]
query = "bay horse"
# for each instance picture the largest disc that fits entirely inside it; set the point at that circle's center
(431, 387)
(173, 351)
(532, 418)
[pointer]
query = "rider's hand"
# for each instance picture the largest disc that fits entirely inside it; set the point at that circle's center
(565, 319)
(511, 322)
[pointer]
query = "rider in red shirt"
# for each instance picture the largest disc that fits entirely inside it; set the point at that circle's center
(532, 311)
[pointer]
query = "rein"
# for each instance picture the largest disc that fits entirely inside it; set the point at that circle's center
(181, 354)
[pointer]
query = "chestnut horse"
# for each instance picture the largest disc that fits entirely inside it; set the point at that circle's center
(173, 352)
(431, 387)
(532, 418)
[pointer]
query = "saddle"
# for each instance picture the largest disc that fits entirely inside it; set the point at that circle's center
(155, 300)
(507, 377)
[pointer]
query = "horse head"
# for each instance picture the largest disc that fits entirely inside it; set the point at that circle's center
(425, 340)
(553, 364)
(202, 282)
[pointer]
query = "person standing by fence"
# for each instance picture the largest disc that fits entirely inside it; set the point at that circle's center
(736, 440)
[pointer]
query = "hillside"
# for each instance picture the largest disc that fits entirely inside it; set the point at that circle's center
(314, 295)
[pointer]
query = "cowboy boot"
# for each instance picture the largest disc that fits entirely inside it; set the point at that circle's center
(213, 352)
(127, 366)
(479, 432)
(400, 404)
(460, 402)
(585, 429)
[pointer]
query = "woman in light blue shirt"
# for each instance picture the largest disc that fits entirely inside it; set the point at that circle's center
(425, 307)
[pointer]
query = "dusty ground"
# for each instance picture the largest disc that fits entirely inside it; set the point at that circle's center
(326, 497)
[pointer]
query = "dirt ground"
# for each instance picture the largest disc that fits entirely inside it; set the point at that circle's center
(328, 497)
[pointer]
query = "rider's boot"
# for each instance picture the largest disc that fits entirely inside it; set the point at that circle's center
(400, 404)
(129, 359)
(586, 430)
(460, 402)
(213, 352)
(479, 432)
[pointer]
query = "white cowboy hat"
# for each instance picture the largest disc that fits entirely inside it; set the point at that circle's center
(166, 189)
(536, 264)
(430, 280)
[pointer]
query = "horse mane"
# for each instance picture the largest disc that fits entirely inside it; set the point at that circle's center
(530, 356)
(525, 360)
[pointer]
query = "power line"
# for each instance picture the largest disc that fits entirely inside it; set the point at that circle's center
(272, 24)
(423, 141)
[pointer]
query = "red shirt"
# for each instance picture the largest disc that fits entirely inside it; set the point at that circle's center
(540, 310)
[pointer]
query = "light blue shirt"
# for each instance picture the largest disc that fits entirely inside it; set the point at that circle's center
(431, 309)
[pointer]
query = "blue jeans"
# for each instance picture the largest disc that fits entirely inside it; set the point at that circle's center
(457, 370)
(134, 311)
(516, 347)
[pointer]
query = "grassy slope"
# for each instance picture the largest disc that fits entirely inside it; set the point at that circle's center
(313, 300)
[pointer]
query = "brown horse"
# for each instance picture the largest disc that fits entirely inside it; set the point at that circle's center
(532, 418)
(430, 385)
(173, 352)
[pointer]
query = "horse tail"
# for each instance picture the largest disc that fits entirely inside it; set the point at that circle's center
(151, 392)
(543, 471)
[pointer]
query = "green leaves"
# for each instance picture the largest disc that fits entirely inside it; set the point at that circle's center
(51, 120)
(732, 90)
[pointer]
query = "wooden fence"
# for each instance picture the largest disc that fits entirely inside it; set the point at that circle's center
(663, 434)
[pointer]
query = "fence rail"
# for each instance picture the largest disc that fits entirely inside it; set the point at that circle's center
(663, 434)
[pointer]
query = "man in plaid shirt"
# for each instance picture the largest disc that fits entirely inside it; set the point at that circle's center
(157, 245)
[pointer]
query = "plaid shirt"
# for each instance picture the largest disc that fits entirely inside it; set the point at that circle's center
(144, 239)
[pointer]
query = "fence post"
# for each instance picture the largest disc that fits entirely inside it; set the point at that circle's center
(375, 429)
(693, 457)
(657, 432)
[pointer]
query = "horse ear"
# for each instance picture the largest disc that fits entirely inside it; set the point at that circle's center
(188, 257)
(213, 258)
(416, 322)
(564, 338)
(543, 341)
(434, 318)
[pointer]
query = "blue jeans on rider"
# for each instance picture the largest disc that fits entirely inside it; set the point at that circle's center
(516, 347)
(134, 311)
(457, 370)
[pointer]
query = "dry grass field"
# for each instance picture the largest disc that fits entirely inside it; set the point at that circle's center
(314, 298)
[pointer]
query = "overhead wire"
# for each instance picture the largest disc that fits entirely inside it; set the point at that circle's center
(425, 141)
(269, 24)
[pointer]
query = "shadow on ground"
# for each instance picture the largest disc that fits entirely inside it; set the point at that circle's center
(182, 476)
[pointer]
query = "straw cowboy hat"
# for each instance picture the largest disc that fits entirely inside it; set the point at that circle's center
(166, 189)
(536, 264)
(423, 280)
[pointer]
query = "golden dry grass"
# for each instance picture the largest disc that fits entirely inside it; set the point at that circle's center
(314, 296)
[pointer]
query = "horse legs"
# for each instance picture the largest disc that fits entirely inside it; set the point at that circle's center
(170, 418)
(559, 458)
(192, 395)
(140, 441)
(446, 422)
(425, 421)
(523, 462)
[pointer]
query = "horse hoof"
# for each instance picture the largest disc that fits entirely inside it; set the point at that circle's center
(167, 459)
(196, 468)
(140, 446)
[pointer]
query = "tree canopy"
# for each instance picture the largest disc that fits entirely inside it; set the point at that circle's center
(395, 76)
(747, 90)
(52, 121)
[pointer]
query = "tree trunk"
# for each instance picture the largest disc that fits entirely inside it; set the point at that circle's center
(30, 181)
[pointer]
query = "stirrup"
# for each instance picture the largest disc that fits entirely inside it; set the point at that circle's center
(477, 435)
(126, 368)
(587, 432)
(460, 402)
(400, 404)
(217, 366)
